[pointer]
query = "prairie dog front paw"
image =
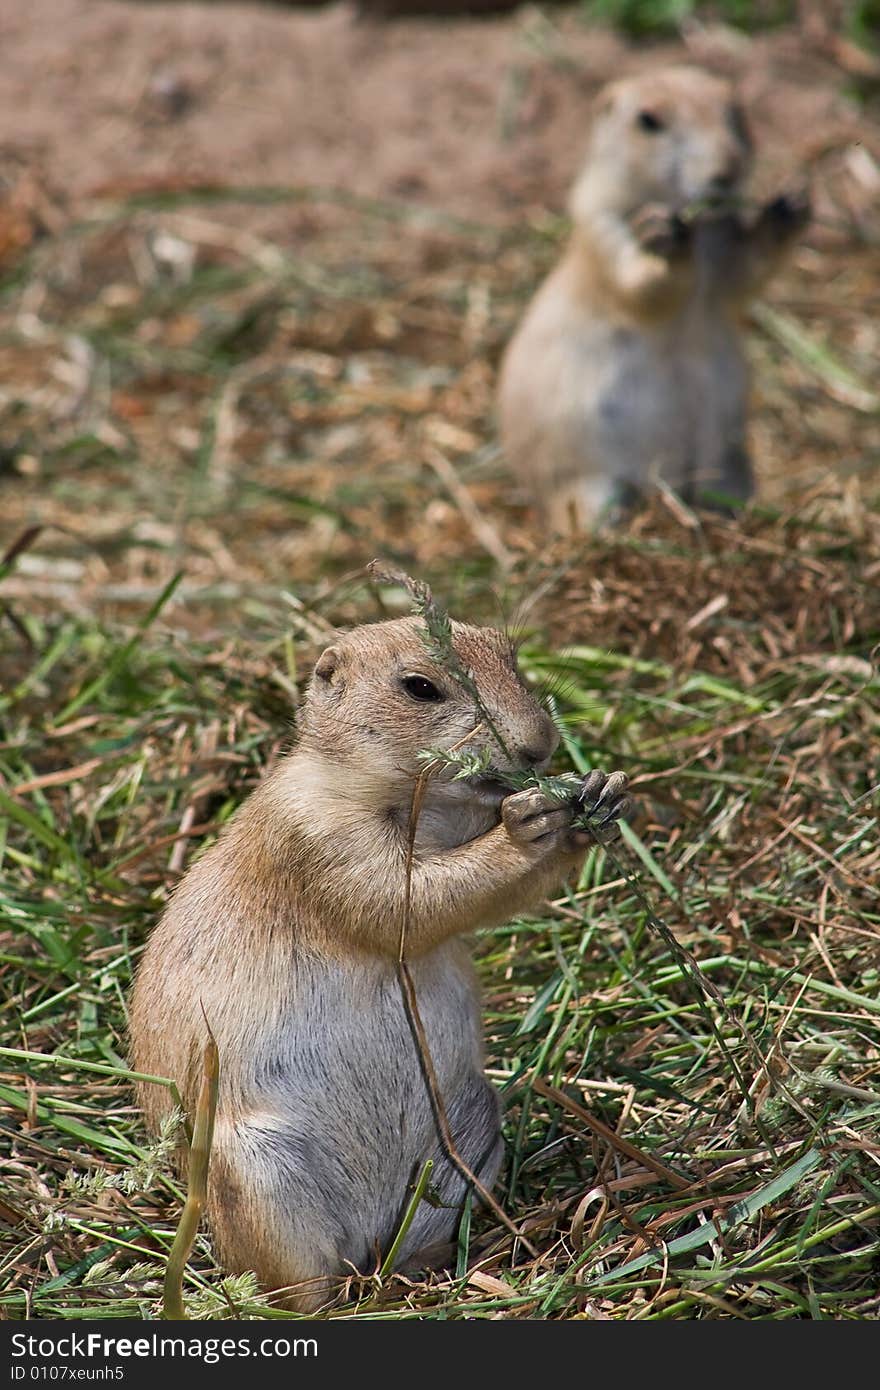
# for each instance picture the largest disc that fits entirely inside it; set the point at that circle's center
(788, 213)
(589, 812)
(531, 817)
(660, 231)
(604, 802)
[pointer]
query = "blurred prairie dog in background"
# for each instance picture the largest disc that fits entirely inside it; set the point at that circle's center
(628, 365)
(286, 933)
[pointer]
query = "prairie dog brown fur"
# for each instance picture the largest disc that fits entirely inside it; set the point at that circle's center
(628, 365)
(286, 932)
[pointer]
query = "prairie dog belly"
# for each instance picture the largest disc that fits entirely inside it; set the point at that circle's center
(667, 405)
(338, 1120)
(373, 1050)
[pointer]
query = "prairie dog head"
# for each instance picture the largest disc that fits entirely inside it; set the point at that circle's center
(675, 137)
(378, 699)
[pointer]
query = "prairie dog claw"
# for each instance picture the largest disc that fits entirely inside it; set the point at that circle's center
(604, 802)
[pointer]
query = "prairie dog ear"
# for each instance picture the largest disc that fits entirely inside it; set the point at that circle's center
(328, 664)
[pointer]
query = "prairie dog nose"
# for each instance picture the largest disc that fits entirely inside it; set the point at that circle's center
(541, 744)
(722, 183)
(728, 173)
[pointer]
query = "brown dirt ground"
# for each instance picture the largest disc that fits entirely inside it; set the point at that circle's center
(260, 392)
(484, 118)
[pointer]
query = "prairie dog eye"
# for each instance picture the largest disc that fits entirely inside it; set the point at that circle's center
(650, 121)
(421, 689)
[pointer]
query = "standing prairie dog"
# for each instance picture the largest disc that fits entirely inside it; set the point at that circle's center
(286, 934)
(628, 366)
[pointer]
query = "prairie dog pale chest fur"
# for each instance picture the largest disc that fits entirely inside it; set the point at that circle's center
(286, 933)
(628, 365)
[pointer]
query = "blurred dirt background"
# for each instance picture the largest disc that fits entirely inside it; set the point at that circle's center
(259, 265)
(482, 118)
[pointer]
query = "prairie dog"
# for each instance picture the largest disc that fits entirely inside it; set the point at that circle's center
(628, 365)
(286, 932)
